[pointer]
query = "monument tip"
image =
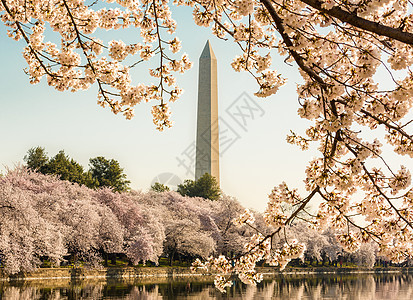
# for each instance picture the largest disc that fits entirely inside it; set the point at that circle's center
(207, 52)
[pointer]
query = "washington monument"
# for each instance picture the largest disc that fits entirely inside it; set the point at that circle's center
(207, 135)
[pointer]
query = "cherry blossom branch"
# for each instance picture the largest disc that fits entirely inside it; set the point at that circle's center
(348, 219)
(89, 62)
(372, 151)
(378, 189)
(291, 218)
(299, 60)
(383, 122)
(354, 20)
(23, 33)
(303, 205)
(387, 198)
(160, 50)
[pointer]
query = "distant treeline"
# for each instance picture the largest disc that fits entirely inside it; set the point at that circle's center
(102, 172)
(105, 172)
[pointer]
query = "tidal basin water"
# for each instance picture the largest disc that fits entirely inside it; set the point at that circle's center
(349, 286)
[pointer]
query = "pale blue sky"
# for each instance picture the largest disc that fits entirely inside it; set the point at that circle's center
(32, 115)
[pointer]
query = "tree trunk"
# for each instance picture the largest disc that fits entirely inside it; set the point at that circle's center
(105, 256)
(171, 257)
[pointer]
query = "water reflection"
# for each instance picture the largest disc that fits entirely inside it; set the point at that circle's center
(354, 286)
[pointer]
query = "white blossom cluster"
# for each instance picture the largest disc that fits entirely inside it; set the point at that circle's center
(83, 60)
(245, 218)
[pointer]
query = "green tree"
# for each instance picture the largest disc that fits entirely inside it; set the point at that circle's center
(36, 158)
(108, 173)
(103, 172)
(67, 168)
(159, 187)
(206, 187)
(187, 188)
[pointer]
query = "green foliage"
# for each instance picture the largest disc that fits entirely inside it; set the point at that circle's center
(67, 168)
(206, 187)
(103, 172)
(36, 158)
(108, 173)
(159, 187)
(187, 188)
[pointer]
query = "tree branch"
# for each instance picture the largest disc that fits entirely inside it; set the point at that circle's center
(356, 21)
(299, 60)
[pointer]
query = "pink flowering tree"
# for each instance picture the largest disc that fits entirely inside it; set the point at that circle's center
(89, 228)
(189, 228)
(366, 255)
(24, 236)
(337, 45)
(143, 231)
(44, 217)
(231, 238)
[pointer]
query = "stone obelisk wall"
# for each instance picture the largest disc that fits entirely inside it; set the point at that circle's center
(207, 138)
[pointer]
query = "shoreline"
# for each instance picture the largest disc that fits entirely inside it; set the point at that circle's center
(151, 273)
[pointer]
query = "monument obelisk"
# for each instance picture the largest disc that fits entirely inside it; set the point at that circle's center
(207, 136)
